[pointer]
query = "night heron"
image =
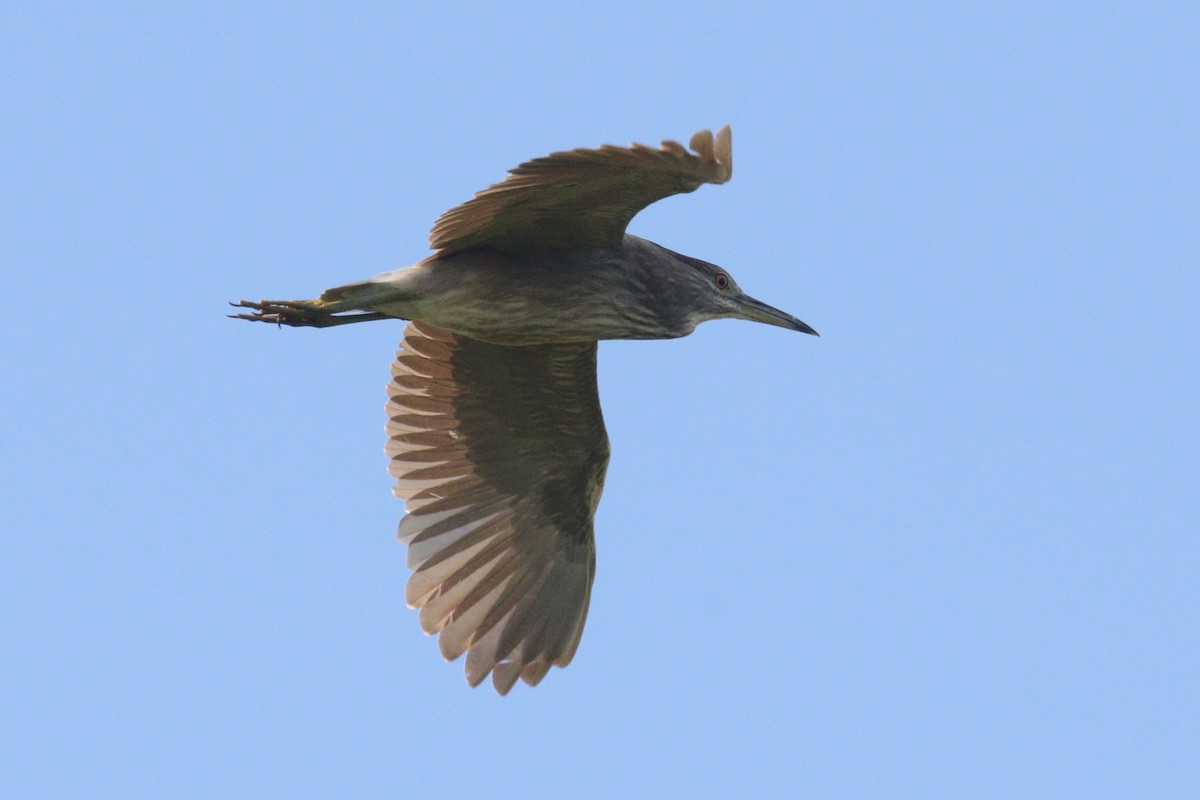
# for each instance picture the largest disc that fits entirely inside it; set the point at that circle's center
(494, 429)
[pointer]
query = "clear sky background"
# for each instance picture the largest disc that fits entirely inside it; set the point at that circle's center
(949, 549)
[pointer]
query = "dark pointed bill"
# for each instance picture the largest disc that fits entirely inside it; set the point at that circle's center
(756, 311)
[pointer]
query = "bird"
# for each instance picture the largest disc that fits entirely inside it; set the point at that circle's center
(495, 435)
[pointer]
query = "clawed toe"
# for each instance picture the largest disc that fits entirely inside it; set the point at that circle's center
(282, 312)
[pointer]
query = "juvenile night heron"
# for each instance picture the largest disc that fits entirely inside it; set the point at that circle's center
(494, 429)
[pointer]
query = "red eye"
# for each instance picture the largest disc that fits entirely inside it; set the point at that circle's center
(721, 280)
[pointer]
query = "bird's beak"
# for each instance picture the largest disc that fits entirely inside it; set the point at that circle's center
(753, 310)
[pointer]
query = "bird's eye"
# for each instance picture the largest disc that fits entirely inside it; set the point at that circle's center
(721, 280)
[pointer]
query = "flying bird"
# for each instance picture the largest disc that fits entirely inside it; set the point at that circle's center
(495, 435)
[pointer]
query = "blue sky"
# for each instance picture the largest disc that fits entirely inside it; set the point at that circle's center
(949, 549)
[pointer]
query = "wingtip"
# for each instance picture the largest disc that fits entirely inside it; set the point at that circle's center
(702, 144)
(716, 150)
(724, 145)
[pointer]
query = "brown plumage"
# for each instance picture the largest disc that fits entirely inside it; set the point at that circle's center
(495, 434)
(499, 453)
(581, 198)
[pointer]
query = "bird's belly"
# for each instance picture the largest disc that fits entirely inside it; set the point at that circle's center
(524, 320)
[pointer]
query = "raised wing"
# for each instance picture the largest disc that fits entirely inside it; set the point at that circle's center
(500, 455)
(581, 198)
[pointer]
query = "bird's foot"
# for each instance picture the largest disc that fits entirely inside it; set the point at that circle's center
(303, 313)
(297, 313)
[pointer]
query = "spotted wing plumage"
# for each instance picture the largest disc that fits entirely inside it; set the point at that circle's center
(499, 454)
(581, 198)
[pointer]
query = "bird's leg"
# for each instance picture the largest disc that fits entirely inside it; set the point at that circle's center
(299, 313)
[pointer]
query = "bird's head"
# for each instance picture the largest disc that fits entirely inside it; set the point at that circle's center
(717, 296)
